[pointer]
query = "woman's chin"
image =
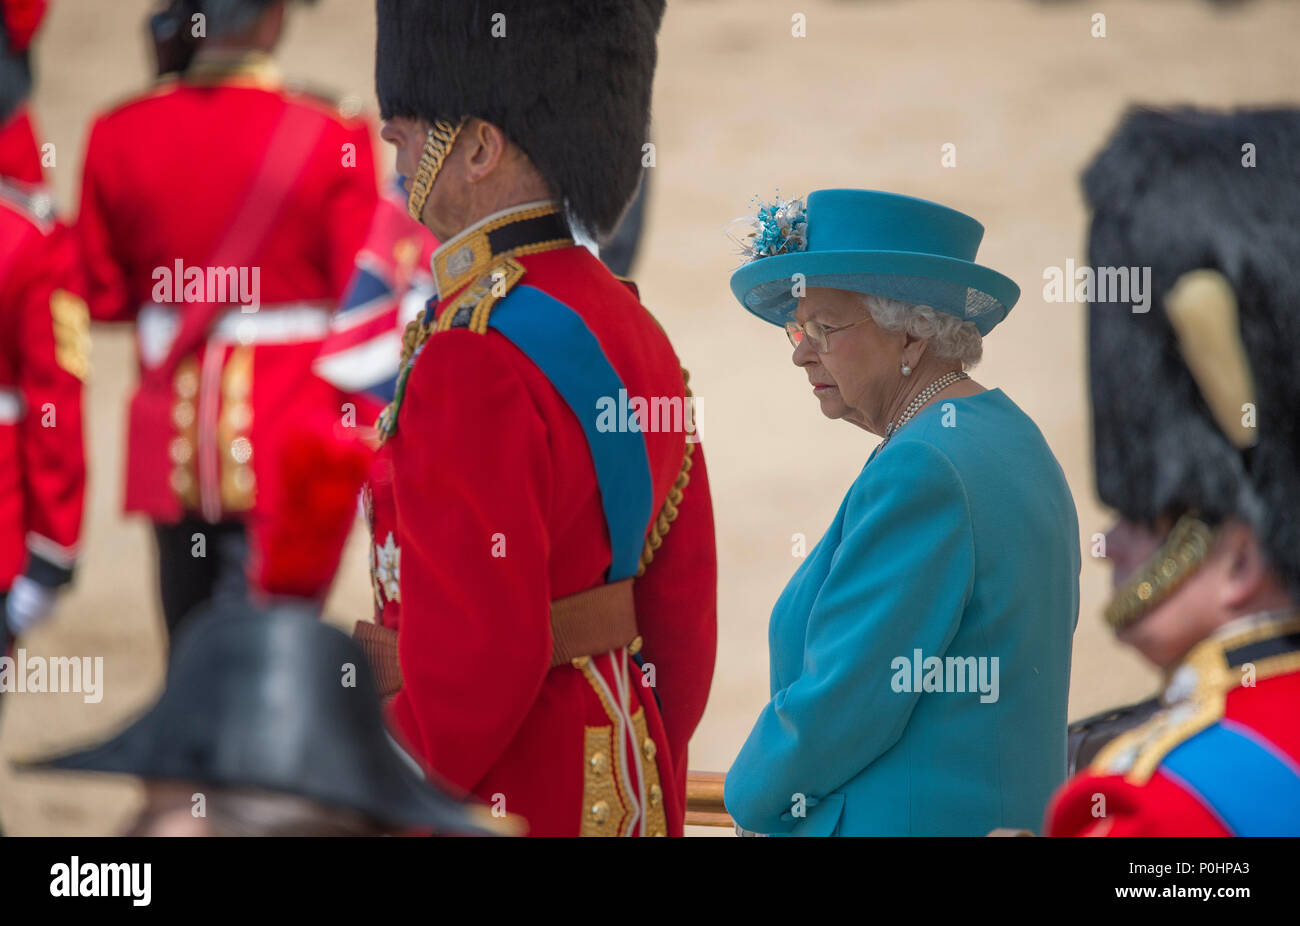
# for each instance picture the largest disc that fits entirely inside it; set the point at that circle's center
(832, 405)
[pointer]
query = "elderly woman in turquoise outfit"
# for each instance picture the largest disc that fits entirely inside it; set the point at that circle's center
(920, 655)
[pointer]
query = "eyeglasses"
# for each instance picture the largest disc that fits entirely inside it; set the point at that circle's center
(818, 333)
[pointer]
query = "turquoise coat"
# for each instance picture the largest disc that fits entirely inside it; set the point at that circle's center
(958, 539)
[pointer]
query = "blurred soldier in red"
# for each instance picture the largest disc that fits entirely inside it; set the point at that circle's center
(221, 213)
(543, 552)
(1197, 438)
(44, 356)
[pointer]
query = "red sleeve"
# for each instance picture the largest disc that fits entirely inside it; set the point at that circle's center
(350, 209)
(1108, 805)
(106, 287)
(470, 474)
(55, 341)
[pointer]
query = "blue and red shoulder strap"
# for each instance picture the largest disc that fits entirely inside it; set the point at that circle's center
(557, 340)
(1246, 780)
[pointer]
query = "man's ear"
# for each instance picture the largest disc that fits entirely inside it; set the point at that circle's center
(270, 28)
(1246, 569)
(486, 149)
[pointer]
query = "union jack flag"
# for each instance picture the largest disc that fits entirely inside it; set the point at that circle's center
(391, 285)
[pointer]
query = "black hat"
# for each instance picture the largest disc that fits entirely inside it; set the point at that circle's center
(226, 16)
(259, 700)
(1196, 402)
(568, 81)
(15, 70)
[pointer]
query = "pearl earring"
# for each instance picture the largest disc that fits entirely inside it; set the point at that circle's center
(905, 370)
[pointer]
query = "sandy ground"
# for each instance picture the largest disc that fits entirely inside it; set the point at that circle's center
(866, 99)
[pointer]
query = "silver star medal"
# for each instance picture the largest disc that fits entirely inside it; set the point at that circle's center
(388, 568)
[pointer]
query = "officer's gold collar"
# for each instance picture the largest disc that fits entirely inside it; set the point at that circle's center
(1241, 652)
(528, 228)
(1237, 655)
(249, 68)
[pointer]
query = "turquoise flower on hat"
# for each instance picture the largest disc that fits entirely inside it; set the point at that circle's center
(778, 227)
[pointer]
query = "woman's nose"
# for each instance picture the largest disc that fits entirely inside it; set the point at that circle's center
(804, 353)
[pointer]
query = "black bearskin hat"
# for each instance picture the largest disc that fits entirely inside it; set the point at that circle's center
(15, 75)
(1175, 191)
(226, 16)
(568, 81)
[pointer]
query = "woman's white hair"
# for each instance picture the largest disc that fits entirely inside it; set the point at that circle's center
(949, 337)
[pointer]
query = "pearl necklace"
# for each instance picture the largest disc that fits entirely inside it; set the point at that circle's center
(940, 384)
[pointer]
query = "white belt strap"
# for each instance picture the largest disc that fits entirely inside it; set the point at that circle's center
(290, 323)
(11, 406)
(280, 325)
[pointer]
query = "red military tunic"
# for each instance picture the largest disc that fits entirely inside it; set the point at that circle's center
(44, 347)
(222, 170)
(484, 508)
(1221, 759)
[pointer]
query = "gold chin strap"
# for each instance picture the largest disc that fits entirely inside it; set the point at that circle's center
(1181, 555)
(437, 145)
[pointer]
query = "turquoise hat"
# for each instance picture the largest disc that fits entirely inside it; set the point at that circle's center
(869, 241)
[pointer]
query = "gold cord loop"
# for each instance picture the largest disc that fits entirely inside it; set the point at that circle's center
(437, 145)
(1181, 555)
(668, 513)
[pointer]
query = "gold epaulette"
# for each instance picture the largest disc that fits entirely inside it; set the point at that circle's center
(472, 307)
(1196, 694)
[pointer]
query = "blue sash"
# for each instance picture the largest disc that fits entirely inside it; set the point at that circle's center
(1253, 788)
(559, 343)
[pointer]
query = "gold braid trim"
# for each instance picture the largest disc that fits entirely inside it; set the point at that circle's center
(668, 513)
(1178, 557)
(437, 145)
(600, 820)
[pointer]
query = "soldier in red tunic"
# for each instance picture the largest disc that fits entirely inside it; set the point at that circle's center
(44, 357)
(543, 552)
(221, 213)
(1198, 449)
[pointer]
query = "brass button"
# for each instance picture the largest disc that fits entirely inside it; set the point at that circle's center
(648, 749)
(241, 450)
(239, 415)
(599, 763)
(187, 383)
(1145, 590)
(244, 480)
(656, 795)
(181, 481)
(600, 811)
(180, 450)
(183, 414)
